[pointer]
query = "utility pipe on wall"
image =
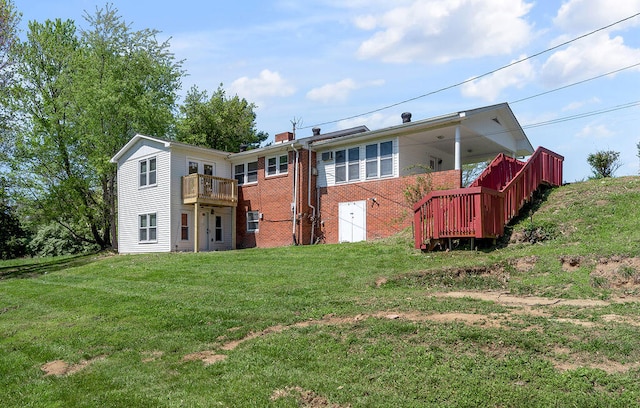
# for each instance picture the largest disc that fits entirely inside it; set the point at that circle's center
(313, 212)
(294, 208)
(458, 166)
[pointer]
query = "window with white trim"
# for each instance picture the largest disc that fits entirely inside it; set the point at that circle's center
(218, 231)
(147, 171)
(277, 165)
(147, 228)
(246, 172)
(184, 227)
(253, 218)
(347, 165)
(379, 160)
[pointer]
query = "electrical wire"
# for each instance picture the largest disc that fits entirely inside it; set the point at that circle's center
(477, 77)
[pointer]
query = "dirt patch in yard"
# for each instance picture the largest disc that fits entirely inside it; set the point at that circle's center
(304, 397)
(617, 272)
(207, 357)
(61, 368)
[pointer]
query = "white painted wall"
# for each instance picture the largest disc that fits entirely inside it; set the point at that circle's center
(326, 174)
(133, 200)
(180, 156)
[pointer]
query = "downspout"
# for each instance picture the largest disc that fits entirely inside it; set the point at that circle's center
(294, 205)
(313, 213)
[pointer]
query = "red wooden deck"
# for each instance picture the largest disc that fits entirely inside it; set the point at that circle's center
(483, 209)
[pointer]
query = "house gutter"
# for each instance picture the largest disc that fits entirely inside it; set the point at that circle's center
(313, 213)
(294, 205)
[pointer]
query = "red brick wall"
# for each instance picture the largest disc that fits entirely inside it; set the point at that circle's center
(272, 197)
(389, 214)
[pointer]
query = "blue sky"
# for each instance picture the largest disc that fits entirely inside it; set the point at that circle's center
(320, 61)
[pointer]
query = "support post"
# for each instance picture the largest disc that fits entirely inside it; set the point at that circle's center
(233, 228)
(458, 161)
(196, 221)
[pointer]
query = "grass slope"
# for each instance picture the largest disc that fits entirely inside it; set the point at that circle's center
(366, 324)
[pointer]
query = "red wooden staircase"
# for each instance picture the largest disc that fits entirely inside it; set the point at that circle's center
(483, 209)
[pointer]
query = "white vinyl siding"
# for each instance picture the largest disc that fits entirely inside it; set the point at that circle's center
(180, 159)
(134, 201)
(352, 164)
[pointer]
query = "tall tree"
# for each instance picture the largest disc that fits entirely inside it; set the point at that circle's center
(48, 160)
(127, 83)
(218, 122)
(85, 96)
(9, 19)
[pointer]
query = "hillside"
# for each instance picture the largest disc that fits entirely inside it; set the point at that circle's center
(553, 323)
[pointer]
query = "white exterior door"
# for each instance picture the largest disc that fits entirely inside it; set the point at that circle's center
(205, 230)
(352, 221)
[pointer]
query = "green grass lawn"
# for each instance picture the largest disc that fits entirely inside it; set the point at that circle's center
(368, 324)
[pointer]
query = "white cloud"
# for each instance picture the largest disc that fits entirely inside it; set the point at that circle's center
(578, 16)
(338, 91)
(490, 87)
(373, 121)
(579, 104)
(267, 84)
(586, 59)
(594, 132)
(438, 31)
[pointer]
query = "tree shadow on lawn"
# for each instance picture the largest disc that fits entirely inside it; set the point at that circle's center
(40, 268)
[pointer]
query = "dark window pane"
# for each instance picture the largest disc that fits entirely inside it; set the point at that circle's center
(386, 148)
(372, 151)
(372, 169)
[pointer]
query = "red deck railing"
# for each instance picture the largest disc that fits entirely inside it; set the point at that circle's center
(483, 209)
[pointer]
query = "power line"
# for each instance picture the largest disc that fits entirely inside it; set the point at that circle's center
(575, 83)
(477, 77)
(583, 115)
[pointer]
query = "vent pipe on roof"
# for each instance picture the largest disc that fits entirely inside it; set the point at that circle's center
(244, 147)
(406, 117)
(316, 131)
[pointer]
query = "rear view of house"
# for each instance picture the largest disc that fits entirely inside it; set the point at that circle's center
(342, 186)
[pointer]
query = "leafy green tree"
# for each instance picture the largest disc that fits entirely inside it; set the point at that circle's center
(48, 161)
(13, 237)
(84, 95)
(604, 163)
(471, 171)
(126, 83)
(9, 19)
(218, 122)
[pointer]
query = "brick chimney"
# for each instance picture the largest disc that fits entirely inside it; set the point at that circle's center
(284, 137)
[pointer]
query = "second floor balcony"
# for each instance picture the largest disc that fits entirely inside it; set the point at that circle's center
(209, 190)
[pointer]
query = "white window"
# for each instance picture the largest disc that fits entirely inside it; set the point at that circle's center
(252, 221)
(347, 165)
(246, 173)
(147, 228)
(219, 228)
(379, 160)
(435, 163)
(277, 165)
(147, 169)
(198, 167)
(184, 227)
